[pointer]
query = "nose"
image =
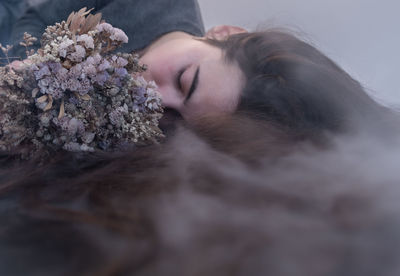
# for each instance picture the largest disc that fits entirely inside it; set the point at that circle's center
(170, 97)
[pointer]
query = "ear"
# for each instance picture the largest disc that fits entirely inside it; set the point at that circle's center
(222, 32)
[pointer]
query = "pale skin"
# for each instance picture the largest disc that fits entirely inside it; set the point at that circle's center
(193, 77)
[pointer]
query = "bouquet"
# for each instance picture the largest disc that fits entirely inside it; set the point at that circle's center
(76, 94)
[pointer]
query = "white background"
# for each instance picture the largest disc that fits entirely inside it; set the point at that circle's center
(362, 36)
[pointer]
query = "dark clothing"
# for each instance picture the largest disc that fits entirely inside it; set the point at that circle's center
(143, 21)
(10, 10)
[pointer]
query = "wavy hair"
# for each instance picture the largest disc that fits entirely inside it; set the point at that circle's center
(233, 198)
(235, 195)
(291, 83)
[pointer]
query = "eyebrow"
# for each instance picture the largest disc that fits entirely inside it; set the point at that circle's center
(193, 86)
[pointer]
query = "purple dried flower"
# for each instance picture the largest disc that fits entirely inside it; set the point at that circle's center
(44, 83)
(138, 97)
(89, 61)
(116, 80)
(84, 87)
(74, 75)
(153, 101)
(61, 122)
(87, 40)
(104, 145)
(72, 84)
(78, 55)
(72, 146)
(55, 66)
(104, 65)
(62, 75)
(71, 126)
(117, 115)
(76, 147)
(90, 70)
(120, 72)
(43, 71)
(121, 62)
(152, 84)
(119, 35)
(140, 81)
(75, 126)
(65, 47)
(75, 71)
(56, 92)
(101, 78)
(138, 94)
(97, 58)
(73, 100)
(88, 137)
(41, 105)
(115, 34)
(105, 27)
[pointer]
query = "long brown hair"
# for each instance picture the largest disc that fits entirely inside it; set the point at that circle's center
(291, 83)
(233, 196)
(273, 193)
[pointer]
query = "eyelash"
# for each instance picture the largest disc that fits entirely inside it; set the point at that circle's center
(178, 79)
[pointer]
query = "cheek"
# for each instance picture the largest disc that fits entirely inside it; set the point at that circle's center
(158, 69)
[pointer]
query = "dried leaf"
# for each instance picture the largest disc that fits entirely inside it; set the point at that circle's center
(85, 97)
(91, 22)
(62, 110)
(67, 64)
(34, 92)
(72, 14)
(82, 11)
(87, 12)
(42, 99)
(75, 23)
(49, 104)
(78, 22)
(97, 18)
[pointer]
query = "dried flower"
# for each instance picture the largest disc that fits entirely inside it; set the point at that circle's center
(78, 55)
(5, 51)
(87, 40)
(78, 22)
(85, 99)
(28, 40)
(105, 27)
(119, 35)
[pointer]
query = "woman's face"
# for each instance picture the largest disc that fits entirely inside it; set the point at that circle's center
(193, 77)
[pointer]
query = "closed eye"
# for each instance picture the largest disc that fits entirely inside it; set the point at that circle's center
(178, 79)
(193, 86)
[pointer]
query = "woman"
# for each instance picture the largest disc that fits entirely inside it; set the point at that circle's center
(271, 74)
(240, 193)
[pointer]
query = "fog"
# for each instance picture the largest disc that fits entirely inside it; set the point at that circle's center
(362, 36)
(348, 222)
(237, 201)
